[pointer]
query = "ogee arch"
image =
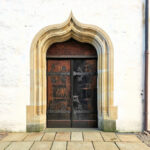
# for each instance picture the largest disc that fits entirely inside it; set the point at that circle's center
(36, 111)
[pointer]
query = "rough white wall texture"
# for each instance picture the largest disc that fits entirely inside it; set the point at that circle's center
(21, 20)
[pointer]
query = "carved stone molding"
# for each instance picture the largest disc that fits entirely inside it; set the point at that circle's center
(36, 111)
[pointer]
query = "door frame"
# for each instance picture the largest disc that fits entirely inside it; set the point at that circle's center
(36, 111)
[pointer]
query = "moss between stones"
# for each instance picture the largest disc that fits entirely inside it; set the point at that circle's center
(109, 125)
(35, 127)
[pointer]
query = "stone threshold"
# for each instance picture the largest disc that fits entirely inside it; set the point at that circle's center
(70, 129)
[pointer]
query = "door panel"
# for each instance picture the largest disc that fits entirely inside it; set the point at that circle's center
(58, 88)
(84, 109)
(72, 93)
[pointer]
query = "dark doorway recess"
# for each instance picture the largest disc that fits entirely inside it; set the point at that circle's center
(71, 85)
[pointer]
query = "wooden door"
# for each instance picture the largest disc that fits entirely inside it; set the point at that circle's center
(84, 110)
(71, 85)
(58, 93)
(72, 93)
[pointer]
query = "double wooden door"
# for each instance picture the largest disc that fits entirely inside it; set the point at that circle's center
(71, 93)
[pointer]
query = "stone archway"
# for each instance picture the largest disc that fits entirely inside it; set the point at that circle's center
(36, 111)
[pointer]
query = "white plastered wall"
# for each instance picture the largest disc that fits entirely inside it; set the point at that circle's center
(21, 20)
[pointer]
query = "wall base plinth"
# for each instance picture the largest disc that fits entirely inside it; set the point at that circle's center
(109, 125)
(108, 122)
(35, 127)
(35, 122)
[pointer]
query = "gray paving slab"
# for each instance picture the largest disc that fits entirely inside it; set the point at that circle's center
(76, 136)
(15, 137)
(41, 146)
(105, 146)
(80, 145)
(92, 136)
(19, 146)
(132, 146)
(62, 136)
(34, 136)
(49, 136)
(3, 145)
(128, 138)
(109, 136)
(59, 146)
(87, 140)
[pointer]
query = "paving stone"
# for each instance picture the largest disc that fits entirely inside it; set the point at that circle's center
(132, 146)
(2, 135)
(105, 146)
(3, 145)
(41, 146)
(76, 136)
(34, 137)
(80, 145)
(15, 137)
(109, 136)
(59, 146)
(19, 146)
(128, 138)
(62, 136)
(49, 136)
(92, 136)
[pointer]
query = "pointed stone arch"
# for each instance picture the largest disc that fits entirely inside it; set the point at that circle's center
(36, 111)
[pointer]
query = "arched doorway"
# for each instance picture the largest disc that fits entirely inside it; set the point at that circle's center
(36, 111)
(71, 85)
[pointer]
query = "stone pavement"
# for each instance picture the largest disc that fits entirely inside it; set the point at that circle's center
(94, 140)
